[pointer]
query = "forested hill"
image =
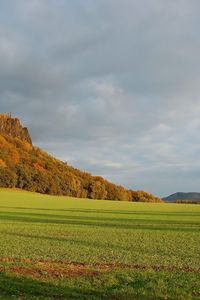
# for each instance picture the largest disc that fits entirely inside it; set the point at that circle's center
(192, 196)
(25, 166)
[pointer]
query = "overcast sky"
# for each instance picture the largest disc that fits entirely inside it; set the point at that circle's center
(110, 86)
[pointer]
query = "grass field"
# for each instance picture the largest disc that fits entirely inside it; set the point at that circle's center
(64, 248)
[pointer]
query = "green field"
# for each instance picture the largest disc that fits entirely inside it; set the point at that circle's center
(64, 248)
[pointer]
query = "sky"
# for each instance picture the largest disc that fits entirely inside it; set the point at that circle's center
(110, 86)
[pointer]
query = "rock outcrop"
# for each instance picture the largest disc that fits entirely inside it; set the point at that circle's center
(12, 127)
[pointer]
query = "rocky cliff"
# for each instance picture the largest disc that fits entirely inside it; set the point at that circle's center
(12, 127)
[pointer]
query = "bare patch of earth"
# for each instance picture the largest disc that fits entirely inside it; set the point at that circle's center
(45, 269)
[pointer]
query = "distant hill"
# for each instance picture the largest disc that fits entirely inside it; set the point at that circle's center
(183, 196)
(25, 166)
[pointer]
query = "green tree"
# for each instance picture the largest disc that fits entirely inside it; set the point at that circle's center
(7, 178)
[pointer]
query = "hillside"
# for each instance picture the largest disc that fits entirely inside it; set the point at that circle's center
(25, 166)
(183, 197)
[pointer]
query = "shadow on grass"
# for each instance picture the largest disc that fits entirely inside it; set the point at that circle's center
(140, 224)
(121, 285)
(112, 212)
(28, 288)
(95, 218)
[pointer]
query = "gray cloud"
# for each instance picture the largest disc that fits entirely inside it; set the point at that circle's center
(111, 87)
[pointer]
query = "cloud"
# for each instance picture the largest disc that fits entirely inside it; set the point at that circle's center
(111, 87)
